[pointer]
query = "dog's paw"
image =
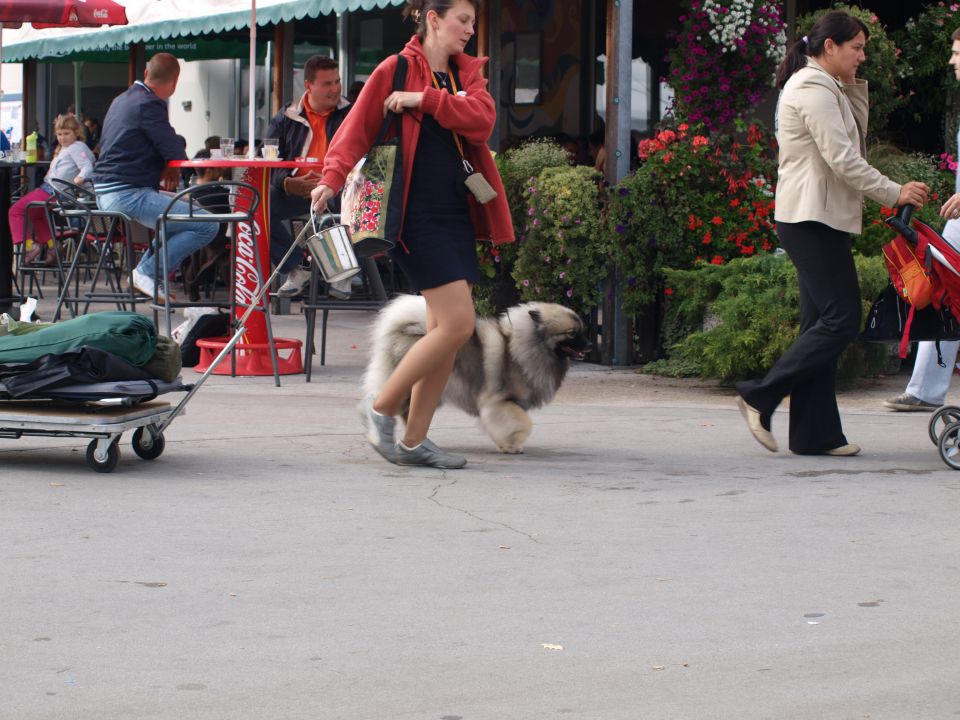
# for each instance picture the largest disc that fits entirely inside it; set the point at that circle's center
(511, 449)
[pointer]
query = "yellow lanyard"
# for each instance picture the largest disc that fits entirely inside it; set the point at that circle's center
(453, 84)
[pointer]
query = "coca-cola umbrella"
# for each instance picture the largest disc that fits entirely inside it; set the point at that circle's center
(62, 13)
(59, 13)
(42, 13)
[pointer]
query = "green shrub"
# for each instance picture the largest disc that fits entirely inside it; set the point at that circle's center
(753, 318)
(745, 314)
(520, 164)
(564, 256)
(517, 167)
(880, 69)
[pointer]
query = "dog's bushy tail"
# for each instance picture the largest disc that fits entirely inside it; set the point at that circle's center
(398, 326)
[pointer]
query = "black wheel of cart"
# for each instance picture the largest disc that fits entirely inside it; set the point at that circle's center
(146, 445)
(107, 465)
(941, 418)
(950, 445)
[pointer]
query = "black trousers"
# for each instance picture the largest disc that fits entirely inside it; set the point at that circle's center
(282, 208)
(829, 320)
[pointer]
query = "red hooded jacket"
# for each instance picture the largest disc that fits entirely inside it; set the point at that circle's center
(472, 116)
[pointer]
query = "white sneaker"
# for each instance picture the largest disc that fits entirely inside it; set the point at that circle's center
(143, 284)
(296, 283)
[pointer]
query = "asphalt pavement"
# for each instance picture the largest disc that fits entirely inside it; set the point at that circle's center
(644, 558)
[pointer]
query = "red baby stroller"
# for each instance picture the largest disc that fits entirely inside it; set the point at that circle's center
(922, 302)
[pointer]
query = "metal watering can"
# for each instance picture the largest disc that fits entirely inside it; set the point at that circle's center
(329, 243)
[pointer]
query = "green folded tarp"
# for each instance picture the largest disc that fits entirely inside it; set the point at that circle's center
(129, 335)
(165, 363)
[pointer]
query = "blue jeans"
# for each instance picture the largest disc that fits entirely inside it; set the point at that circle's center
(145, 205)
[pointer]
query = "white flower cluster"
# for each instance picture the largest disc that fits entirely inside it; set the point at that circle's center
(730, 22)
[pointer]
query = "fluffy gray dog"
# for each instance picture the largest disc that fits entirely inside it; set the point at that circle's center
(513, 362)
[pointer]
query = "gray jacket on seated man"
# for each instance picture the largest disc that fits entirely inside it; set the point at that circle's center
(303, 129)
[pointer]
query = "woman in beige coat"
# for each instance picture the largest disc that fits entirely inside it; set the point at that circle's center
(823, 177)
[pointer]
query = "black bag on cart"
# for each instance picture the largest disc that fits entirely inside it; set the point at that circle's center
(73, 367)
(212, 325)
(888, 317)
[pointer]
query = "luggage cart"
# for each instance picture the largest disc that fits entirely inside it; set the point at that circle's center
(104, 421)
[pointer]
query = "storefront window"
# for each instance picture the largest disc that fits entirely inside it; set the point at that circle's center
(373, 36)
(527, 60)
(649, 100)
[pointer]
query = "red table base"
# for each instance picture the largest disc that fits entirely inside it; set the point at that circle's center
(252, 264)
(252, 358)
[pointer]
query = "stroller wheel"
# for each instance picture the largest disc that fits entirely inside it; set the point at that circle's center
(950, 445)
(946, 415)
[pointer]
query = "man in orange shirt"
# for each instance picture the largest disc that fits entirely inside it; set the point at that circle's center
(303, 129)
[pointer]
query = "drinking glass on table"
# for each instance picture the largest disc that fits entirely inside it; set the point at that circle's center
(226, 146)
(270, 149)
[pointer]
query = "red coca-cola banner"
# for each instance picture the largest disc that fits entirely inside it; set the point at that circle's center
(246, 278)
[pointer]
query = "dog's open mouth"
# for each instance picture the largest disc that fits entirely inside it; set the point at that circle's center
(572, 352)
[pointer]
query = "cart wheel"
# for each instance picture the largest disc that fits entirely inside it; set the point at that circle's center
(146, 445)
(113, 457)
(941, 418)
(950, 445)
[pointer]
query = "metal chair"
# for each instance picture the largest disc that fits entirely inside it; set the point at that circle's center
(372, 296)
(244, 199)
(32, 276)
(22, 270)
(101, 231)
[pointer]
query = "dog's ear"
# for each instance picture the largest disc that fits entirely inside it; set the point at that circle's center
(537, 317)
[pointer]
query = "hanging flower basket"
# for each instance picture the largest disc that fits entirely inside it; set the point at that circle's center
(724, 59)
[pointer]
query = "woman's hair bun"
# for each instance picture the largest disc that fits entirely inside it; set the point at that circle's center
(413, 9)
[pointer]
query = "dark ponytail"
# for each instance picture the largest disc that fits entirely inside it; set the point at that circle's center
(835, 25)
(795, 59)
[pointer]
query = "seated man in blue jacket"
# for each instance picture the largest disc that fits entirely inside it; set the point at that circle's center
(136, 143)
(303, 129)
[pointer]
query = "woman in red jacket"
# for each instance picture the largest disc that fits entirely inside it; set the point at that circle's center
(447, 112)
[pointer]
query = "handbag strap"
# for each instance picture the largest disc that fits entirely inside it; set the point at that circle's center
(453, 86)
(456, 137)
(399, 80)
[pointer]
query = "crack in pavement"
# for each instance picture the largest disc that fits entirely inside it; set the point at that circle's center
(871, 471)
(433, 498)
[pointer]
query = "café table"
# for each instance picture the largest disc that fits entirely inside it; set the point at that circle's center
(7, 298)
(254, 352)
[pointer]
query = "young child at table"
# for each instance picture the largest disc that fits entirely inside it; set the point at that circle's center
(73, 162)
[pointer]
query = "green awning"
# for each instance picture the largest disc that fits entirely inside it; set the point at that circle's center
(186, 48)
(180, 18)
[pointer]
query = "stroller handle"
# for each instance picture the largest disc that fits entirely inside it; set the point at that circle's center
(905, 213)
(901, 223)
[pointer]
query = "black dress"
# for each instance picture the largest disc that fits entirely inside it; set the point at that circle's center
(437, 229)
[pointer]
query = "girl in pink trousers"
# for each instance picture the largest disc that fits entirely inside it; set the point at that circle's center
(73, 162)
